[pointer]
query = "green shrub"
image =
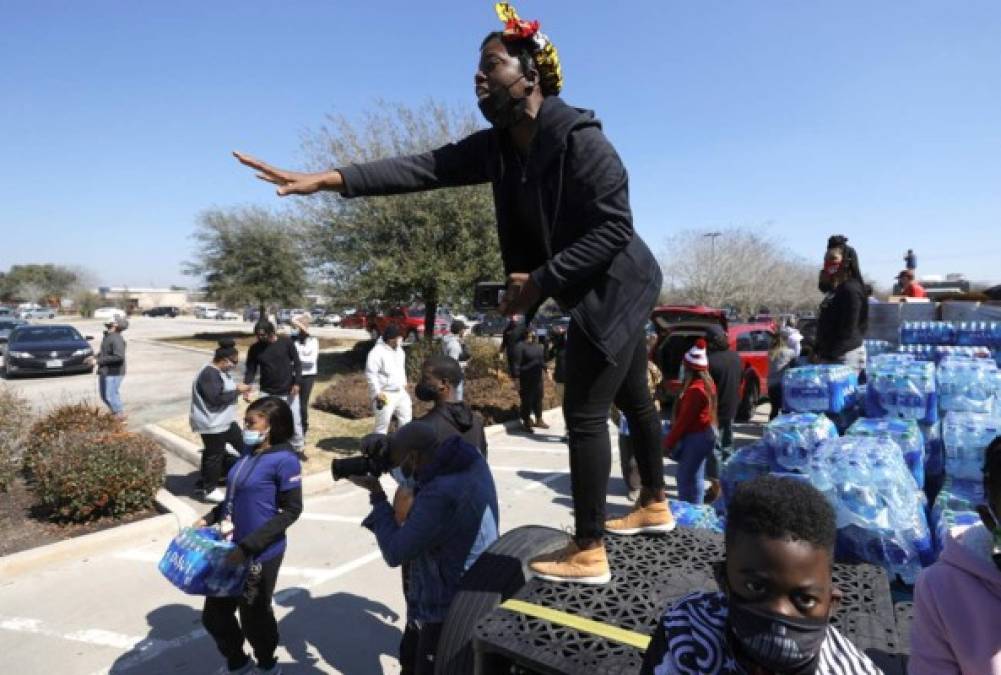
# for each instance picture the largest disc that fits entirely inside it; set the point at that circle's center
(347, 396)
(83, 476)
(416, 354)
(15, 420)
(69, 418)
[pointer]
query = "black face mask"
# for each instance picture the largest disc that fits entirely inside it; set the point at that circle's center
(824, 284)
(501, 109)
(425, 392)
(776, 643)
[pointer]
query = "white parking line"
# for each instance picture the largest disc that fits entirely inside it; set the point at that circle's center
(100, 638)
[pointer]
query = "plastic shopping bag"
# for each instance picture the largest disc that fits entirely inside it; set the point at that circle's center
(195, 562)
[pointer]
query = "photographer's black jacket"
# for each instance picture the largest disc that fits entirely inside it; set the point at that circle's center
(563, 214)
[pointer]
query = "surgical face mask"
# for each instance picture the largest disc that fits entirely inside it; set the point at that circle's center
(832, 268)
(253, 438)
(425, 392)
(776, 643)
(294, 332)
(500, 108)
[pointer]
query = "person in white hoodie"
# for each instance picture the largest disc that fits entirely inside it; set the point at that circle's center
(309, 355)
(957, 601)
(386, 373)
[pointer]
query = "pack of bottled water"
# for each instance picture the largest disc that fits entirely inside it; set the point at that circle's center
(750, 461)
(819, 388)
(875, 348)
(938, 353)
(696, 516)
(955, 506)
(934, 450)
(928, 333)
(965, 437)
(979, 333)
(793, 437)
(968, 385)
(905, 433)
(907, 390)
(880, 510)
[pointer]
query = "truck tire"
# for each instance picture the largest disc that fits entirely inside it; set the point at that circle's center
(749, 403)
(497, 575)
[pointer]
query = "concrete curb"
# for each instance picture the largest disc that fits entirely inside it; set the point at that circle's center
(548, 416)
(181, 447)
(168, 524)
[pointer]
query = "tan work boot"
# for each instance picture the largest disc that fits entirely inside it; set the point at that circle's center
(654, 517)
(571, 564)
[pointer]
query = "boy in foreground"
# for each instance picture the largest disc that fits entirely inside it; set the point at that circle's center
(776, 599)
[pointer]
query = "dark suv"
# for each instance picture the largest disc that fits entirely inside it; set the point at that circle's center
(172, 312)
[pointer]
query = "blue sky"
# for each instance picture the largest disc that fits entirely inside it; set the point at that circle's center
(876, 120)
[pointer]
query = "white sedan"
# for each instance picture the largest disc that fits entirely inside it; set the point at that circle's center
(228, 316)
(108, 313)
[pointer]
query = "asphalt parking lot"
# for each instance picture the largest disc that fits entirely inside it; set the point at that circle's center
(340, 608)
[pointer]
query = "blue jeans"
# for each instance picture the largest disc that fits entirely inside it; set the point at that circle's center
(693, 449)
(110, 384)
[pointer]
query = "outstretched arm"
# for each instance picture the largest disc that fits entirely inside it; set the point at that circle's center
(462, 163)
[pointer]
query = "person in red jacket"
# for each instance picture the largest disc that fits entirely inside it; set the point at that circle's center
(693, 427)
(909, 288)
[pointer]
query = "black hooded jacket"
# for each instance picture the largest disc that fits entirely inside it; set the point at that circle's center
(449, 419)
(587, 255)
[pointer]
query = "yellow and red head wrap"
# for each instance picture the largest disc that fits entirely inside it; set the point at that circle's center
(544, 53)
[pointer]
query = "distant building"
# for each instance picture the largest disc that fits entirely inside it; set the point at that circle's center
(140, 299)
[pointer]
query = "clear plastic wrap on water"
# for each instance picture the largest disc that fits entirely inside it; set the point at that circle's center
(750, 461)
(905, 390)
(927, 333)
(937, 353)
(955, 506)
(978, 333)
(965, 437)
(934, 451)
(793, 437)
(968, 385)
(880, 510)
(905, 433)
(819, 388)
(696, 516)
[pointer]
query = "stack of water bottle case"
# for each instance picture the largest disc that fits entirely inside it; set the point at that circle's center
(916, 431)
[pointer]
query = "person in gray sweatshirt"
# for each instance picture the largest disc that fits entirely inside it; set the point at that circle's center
(110, 362)
(213, 415)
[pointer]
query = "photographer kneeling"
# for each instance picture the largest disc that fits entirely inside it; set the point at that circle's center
(453, 519)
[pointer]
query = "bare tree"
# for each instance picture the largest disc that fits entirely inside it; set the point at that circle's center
(737, 268)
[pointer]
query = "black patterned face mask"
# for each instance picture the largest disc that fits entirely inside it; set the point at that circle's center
(777, 643)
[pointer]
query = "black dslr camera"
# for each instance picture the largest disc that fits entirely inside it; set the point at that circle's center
(488, 295)
(374, 459)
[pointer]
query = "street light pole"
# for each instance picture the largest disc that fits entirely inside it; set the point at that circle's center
(713, 236)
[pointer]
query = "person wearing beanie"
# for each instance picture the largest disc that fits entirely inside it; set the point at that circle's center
(213, 416)
(386, 374)
(693, 425)
(281, 372)
(309, 355)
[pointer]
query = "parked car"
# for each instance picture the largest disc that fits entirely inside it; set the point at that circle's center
(171, 312)
(490, 325)
(7, 325)
(355, 319)
(206, 312)
(227, 315)
(6, 312)
(46, 349)
(286, 315)
(108, 313)
(678, 327)
(37, 313)
(410, 321)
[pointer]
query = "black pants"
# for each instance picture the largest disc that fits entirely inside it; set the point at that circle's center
(530, 389)
(419, 648)
(305, 388)
(593, 385)
(257, 620)
(630, 469)
(775, 398)
(214, 463)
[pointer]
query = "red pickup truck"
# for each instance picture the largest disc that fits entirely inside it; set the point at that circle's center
(678, 326)
(410, 321)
